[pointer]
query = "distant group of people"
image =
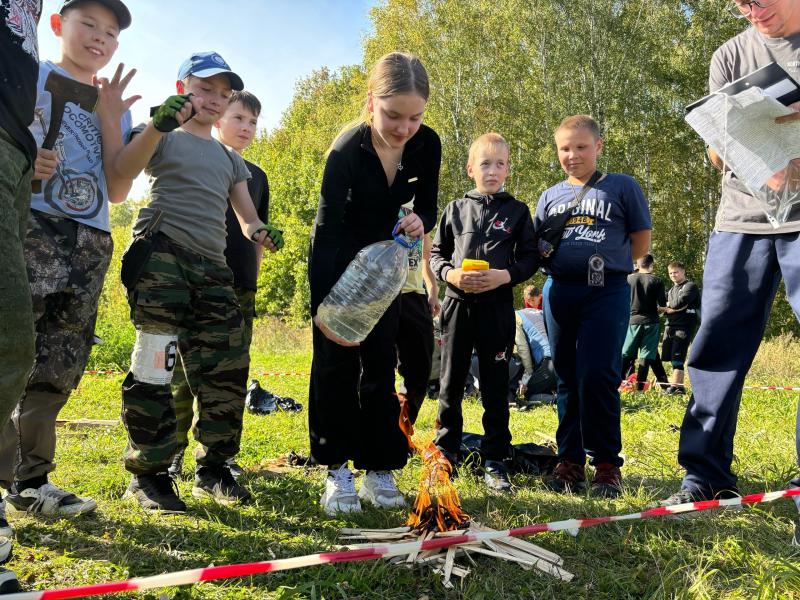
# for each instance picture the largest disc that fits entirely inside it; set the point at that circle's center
(192, 267)
(681, 307)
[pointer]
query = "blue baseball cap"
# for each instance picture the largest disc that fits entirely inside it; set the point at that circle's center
(208, 64)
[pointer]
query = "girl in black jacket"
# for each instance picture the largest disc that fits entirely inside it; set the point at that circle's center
(373, 168)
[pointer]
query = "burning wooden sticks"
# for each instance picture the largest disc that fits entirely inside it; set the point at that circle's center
(443, 560)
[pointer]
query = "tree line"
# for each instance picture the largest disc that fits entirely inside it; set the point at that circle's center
(518, 67)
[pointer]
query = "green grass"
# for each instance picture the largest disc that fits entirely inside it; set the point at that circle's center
(743, 554)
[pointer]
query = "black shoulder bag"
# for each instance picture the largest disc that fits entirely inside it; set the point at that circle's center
(138, 253)
(548, 236)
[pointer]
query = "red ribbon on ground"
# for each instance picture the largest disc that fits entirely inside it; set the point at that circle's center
(385, 551)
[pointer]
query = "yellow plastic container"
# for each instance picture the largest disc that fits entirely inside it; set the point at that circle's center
(471, 264)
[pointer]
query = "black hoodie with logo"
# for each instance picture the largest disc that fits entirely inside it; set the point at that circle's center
(496, 228)
(19, 55)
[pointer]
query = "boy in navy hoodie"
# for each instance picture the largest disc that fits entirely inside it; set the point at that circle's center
(478, 310)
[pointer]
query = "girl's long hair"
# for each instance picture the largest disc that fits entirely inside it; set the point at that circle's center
(394, 73)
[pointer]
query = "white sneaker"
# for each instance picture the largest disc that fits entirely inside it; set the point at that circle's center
(340, 492)
(6, 530)
(380, 489)
(49, 499)
(6, 533)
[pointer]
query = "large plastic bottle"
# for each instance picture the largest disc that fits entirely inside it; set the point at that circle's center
(366, 289)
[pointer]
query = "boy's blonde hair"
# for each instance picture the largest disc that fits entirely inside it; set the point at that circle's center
(490, 139)
(580, 122)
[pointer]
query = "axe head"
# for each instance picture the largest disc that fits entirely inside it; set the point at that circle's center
(65, 89)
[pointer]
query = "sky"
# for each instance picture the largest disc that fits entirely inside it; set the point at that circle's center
(270, 44)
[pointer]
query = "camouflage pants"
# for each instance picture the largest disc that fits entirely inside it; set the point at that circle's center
(185, 297)
(185, 406)
(67, 263)
(16, 320)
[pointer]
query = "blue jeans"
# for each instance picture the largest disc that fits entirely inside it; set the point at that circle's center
(741, 276)
(586, 327)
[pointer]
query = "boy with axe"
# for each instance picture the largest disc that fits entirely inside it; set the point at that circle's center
(78, 125)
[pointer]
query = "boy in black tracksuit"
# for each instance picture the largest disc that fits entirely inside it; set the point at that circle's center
(478, 311)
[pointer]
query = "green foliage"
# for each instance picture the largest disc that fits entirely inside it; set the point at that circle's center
(113, 323)
(519, 67)
(293, 157)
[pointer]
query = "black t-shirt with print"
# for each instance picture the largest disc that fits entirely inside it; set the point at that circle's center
(19, 57)
(240, 253)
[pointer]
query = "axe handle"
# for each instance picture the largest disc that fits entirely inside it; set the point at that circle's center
(56, 116)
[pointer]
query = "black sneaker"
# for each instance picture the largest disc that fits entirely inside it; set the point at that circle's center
(258, 400)
(796, 538)
(9, 584)
(218, 484)
(234, 467)
(675, 390)
(156, 491)
(175, 470)
(496, 476)
(287, 404)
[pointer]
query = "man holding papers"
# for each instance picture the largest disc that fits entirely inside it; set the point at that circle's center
(747, 256)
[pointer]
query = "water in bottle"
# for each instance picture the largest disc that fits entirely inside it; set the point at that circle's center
(372, 280)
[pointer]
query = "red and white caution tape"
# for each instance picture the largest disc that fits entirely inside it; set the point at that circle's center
(629, 385)
(386, 551)
(772, 388)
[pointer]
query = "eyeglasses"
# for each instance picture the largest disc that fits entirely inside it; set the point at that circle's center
(742, 10)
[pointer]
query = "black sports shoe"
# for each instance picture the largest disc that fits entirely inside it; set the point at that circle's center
(9, 584)
(796, 538)
(219, 484)
(175, 470)
(258, 400)
(287, 404)
(496, 476)
(156, 491)
(234, 467)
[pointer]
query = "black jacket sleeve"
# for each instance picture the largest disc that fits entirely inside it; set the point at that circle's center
(687, 296)
(328, 227)
(526, 255)
(443, 246)
(263, 212)
(662, 294)
(425, 202)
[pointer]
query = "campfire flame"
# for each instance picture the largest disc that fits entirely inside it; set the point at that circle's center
(437, 506)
